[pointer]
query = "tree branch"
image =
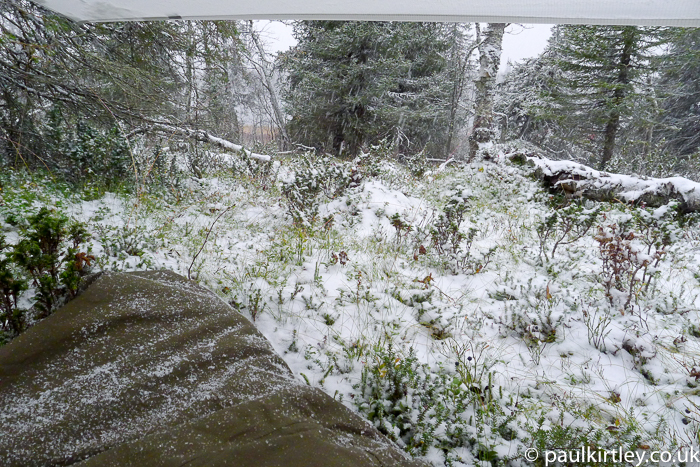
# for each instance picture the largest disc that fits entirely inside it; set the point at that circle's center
(199, 135)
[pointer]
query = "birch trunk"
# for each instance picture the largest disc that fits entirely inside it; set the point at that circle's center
(489, 61)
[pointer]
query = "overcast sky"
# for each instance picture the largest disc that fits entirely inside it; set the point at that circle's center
(520, 41)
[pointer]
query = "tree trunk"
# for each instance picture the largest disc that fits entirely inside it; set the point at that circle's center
(489, 61)
(266, 74)
(610, 134)
(457, 91)
(623, 78)
(198, 135)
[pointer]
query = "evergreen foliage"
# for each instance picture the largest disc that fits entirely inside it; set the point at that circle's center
(47, 257)
(590, 87)
(680, 88)
(353, 84)
(70, 94)
(594, 90)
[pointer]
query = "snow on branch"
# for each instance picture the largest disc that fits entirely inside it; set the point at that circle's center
(203, 136)
(579, 180)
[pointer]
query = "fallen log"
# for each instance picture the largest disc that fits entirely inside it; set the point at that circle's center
(580, 181)
(202, 136)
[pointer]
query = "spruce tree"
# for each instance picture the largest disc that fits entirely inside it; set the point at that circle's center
(680, 88)
(354, 84)
(599, 71)
(60, 80)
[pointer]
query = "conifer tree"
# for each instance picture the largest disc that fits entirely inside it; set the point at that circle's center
(680, 88)
(64, 84)
(599, 73)
(354, 84)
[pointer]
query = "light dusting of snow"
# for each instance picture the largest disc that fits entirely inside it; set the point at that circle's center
(323, 317)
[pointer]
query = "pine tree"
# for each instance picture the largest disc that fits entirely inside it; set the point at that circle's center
(59, 79)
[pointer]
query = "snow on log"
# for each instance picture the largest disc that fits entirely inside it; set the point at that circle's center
(578, 180)
(203, 136)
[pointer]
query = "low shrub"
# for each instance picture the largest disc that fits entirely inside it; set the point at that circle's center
(565, 226)
(12, 284)
(424, 410)
(314, 180)
(47, 256)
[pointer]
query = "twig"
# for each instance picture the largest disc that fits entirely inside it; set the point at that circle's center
(189, 270)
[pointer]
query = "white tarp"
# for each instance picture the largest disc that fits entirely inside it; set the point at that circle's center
(622, 12)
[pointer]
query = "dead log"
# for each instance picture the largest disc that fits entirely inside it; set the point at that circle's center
(580, 181)
(202, 136)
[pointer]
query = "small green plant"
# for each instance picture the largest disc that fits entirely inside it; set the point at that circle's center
(12, 284)
(565, 226)
(123, 241)
(452, 244)
(76, 263)
(262, 174)
(417, 164)
(694, 330)
(256, 303)
(642, 351)
(38, 252)
(313, 179)
(402, 227)
(423, 409)
(598, 327)
(368, 163)
(407, 403)
(535, 322)
(445, 232)
(565, 440)
(47, 253)
(471, 362)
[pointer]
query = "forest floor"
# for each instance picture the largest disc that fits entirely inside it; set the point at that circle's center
(468, 312)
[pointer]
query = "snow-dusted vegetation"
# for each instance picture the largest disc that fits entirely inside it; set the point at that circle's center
(470, 313)
(480, 263)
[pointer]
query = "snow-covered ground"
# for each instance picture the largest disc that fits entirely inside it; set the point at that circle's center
(531, 337)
